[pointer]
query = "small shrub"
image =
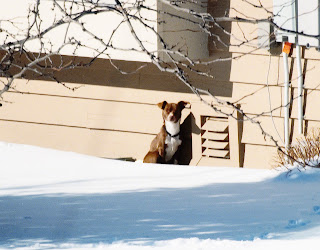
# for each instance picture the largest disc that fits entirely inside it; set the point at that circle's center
(304, 153)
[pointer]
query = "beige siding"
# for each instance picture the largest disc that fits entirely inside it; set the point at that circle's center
(116, 109)
(97, 120)
(102, 143)
(250, 71)
(258, 156)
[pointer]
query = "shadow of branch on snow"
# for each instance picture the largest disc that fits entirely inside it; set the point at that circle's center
(225, 211)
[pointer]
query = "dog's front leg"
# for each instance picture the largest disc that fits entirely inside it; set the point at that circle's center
(161, 145)
(161, 149)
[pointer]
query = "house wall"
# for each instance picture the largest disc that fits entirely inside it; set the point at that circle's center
(108, 115)
(114, 115)
(103, 25)
(260, 89)
(107, 29)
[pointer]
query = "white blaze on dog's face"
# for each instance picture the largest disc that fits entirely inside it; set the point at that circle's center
(171, 112)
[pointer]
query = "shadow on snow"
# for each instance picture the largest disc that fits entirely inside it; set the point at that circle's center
(268, 209)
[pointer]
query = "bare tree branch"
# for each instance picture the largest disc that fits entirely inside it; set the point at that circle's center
(169, 57)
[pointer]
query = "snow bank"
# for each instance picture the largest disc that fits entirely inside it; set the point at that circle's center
(32, 171)
(61, 200)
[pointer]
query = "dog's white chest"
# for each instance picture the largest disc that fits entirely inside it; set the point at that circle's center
(172, 144)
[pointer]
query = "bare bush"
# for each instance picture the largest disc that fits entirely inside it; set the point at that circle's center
(303, 153)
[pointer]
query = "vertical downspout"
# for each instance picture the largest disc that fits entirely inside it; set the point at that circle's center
(300, 90)
(299, 71)
(286, 50)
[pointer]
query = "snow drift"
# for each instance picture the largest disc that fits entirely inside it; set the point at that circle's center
(52, 199)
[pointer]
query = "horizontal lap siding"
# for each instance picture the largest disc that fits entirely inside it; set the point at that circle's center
(250, 90)
(254, 99)
(108, 115)
(94, 92)
(75, 112)
(258, 156)
(273, 125)
(123, 114)
(100, 128)
(253, 69)
(97, 120)
(101, 143)
(250, 75)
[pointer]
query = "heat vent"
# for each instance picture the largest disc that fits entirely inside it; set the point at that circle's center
(215, 137)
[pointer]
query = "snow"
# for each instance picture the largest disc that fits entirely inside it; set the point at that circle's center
(61, 200)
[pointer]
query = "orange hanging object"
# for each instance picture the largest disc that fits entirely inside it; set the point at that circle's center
(286, 47)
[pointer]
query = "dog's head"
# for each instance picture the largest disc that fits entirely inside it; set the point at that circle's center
(172, 111)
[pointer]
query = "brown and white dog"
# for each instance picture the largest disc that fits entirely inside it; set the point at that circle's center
(164, 147)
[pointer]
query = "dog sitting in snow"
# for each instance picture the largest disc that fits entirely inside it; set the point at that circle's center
(164, 147)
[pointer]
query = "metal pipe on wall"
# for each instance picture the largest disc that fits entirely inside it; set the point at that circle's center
(299, 71)
(300, 90)
(286, 101)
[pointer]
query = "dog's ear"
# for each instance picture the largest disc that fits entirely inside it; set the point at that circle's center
(183, 104)
(162, 104)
